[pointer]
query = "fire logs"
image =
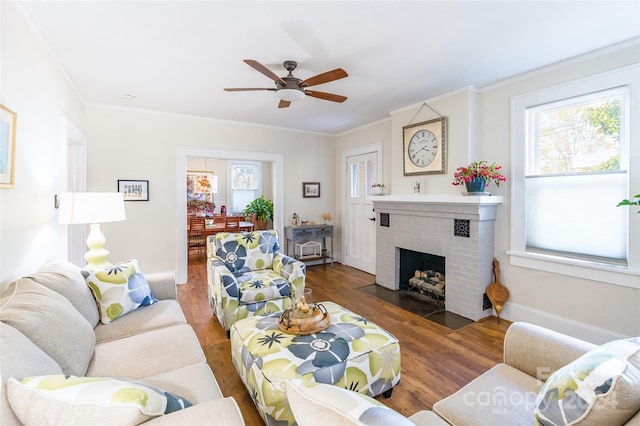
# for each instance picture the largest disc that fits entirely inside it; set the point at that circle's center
(430, 282)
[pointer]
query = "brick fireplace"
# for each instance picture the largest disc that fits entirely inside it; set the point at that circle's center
(458, 228)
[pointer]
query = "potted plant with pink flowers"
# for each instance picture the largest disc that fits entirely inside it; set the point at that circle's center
(377, 188)
(477, 176)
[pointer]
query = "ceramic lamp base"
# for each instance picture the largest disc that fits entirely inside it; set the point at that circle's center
(97, 255)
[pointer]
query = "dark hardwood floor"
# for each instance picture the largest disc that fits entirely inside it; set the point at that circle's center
(436, 361)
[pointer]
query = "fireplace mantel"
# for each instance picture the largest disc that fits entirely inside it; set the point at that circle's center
(456, 227)
(463, 207)
(439, 199)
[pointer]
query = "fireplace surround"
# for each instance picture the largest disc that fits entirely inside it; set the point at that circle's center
(458, 228)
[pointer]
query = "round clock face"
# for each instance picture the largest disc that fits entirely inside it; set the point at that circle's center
(423, 148)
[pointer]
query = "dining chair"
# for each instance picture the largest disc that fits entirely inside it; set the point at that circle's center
(232, 224)
(196, 233)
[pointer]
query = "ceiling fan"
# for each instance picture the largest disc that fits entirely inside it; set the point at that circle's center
(290, 88)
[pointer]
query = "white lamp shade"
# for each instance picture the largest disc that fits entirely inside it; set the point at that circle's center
(290, 94)
(91, 207)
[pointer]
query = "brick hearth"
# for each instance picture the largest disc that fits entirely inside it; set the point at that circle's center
(459, 228)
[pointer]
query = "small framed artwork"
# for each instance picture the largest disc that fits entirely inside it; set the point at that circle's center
(134, 190)
(201, 182)
(310, 189)
(8, 121)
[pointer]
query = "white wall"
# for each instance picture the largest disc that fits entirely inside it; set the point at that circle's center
(129, 144)
(479, 129)
(35, 87)
(598, 309)
(460, 110)
(132, 144)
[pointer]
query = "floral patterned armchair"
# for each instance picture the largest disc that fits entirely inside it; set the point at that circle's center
(247, 276)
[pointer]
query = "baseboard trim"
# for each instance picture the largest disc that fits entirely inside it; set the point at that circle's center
(515, 312)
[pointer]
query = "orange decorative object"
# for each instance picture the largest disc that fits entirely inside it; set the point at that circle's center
(497, 293)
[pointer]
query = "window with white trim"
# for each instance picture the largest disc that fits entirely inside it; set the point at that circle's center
(245, 184)
(571, 166)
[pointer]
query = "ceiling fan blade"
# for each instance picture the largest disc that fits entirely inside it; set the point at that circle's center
(284, 104)
(325, 96)
(325, 77)
(264, 70)
(245, 89)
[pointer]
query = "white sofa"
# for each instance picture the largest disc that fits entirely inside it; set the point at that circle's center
(537, 361)
(50, 326)
(507, 393)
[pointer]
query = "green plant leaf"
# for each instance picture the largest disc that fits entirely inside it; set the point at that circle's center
(626, 202)
(261, 207)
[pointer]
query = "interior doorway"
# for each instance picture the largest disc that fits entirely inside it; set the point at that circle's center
(362, 169)
(76, 143)
(216, 188)
(183, 153)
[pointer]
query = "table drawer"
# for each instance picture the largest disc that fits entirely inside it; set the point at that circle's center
(323, 232)
(302, 233)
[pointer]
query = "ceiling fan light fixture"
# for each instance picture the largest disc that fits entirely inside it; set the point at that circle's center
(290, 94)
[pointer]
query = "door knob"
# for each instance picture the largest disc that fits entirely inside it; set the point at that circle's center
(373, 219)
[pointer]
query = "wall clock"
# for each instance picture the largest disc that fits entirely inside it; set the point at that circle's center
(425, 147)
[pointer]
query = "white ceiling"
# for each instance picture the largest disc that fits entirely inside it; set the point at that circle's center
(177, 56)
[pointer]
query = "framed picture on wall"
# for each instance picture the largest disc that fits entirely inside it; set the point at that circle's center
(8, 121)
(310, 189)
(134, 190)
(201, 185)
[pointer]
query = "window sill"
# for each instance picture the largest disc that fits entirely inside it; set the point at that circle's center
(593, 271)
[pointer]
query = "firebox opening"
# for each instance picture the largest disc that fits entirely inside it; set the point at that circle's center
(423, 273)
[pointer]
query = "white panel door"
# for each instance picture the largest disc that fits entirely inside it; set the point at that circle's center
(359, 228)
(76, 143)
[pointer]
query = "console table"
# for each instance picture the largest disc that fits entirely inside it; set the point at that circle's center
(300, 234)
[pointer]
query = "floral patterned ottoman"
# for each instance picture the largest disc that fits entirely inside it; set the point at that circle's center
(352, 353)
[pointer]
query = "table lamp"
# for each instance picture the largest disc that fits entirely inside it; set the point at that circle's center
(93, 208)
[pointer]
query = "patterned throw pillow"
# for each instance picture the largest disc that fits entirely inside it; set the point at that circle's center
(322, 404)
(600, 387)
(68, 400)
(247, 251)
(119, 289)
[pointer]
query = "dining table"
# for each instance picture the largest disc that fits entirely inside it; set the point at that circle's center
(215, 227)
(219, 227)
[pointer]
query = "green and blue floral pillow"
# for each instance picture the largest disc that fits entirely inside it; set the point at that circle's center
(69, 400)
(246, 251)
(601, 387)
(119, 289)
